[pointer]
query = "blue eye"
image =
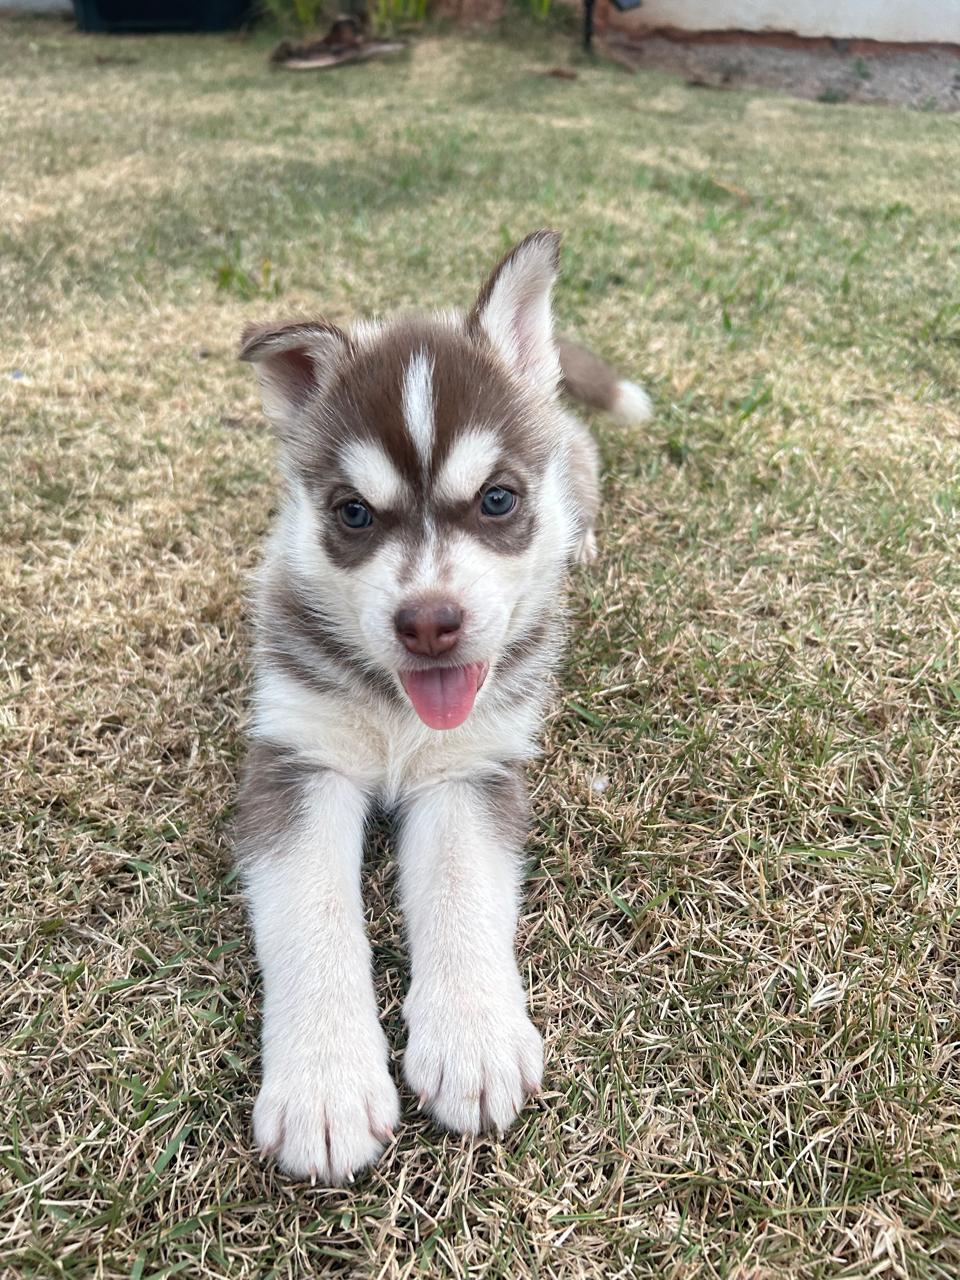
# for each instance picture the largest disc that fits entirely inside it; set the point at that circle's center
(354, 515)
(497, 501)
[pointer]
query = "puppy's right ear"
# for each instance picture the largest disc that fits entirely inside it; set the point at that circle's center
(292, 362)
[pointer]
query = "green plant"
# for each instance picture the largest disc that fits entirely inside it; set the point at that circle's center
(232, 277)
(295, 15)
(390, 14)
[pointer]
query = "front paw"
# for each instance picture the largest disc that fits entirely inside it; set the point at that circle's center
(473, 1062)
(325, 1115)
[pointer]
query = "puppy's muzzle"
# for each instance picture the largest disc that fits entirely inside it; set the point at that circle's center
(430, 628)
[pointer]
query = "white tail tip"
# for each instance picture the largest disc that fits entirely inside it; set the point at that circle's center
(631, 404)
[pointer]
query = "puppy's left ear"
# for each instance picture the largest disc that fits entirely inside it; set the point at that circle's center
(513, 310)
(292, 362)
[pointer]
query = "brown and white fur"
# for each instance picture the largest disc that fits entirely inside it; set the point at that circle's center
(416, 421)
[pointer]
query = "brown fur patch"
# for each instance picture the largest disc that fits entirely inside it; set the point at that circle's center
(286, 658)
(273, 787)
(508, 535)
(260, 340)
(504, 795)
(289, 354)
(586, 377)
(470, 388)
(291, 625)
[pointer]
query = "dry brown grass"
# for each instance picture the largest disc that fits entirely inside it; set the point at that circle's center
(743, 910)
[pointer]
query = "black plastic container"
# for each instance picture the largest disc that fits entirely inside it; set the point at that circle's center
(160, 15)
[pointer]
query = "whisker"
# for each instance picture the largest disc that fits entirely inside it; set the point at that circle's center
(479, 576)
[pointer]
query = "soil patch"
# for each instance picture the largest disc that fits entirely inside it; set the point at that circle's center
(829, 71)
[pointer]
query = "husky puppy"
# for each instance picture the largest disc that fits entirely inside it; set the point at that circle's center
(408, 614)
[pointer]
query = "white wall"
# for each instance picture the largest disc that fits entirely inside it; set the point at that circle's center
(906, 20)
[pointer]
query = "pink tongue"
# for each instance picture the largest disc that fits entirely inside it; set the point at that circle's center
(444, 696)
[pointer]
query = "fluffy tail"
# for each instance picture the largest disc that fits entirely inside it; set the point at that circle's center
(588, 379)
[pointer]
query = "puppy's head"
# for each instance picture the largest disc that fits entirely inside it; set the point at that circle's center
(428, 514)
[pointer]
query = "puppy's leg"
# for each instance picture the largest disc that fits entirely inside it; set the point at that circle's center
(327, 1103)
(472, 1054)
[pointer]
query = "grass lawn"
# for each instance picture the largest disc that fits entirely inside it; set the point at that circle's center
(742, 924)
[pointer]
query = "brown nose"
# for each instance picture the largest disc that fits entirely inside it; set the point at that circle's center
(430, 628)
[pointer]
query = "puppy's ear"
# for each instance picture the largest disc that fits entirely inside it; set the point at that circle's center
(292, 362)
(513, 310)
